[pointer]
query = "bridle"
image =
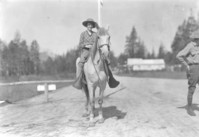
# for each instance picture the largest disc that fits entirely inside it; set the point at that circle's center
(100, 46)
(106, 44)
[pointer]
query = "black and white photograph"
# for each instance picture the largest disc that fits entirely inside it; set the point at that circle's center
(99, 68)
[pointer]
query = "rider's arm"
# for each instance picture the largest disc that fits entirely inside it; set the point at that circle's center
(81, 41)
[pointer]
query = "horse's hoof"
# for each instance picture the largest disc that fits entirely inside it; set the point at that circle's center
(91, 124)
(85, 115)
(101, 120)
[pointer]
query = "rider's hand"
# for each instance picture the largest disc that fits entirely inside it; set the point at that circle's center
(88, 46)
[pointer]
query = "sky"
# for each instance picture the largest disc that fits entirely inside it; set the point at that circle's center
(57, 24)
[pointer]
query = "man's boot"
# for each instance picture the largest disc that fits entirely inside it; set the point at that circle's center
(189, 108)
(113, 83)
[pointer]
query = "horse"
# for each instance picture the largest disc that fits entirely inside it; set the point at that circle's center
(95, 74)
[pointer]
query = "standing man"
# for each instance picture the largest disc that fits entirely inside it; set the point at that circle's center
(189, 57)
(87, 39)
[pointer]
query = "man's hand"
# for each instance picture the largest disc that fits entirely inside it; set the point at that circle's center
(188, 68)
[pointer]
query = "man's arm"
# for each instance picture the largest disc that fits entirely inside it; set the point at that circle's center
(183, 53)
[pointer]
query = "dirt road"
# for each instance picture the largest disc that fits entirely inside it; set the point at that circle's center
(145, 108)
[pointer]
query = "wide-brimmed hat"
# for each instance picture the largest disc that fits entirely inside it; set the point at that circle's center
(89, 20)
(195, 34)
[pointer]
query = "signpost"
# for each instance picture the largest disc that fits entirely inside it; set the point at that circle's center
(46, 91)
(46, 87)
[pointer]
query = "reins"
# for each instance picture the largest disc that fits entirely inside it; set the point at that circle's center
(96, 64)
(96, 70)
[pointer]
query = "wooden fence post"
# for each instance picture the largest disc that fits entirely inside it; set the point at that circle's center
(46, 91)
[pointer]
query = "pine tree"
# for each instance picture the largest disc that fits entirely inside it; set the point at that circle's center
(135, 47)
(131, 43)
(2, 61)
(34, 57)
(162, 52)
(153, 54)
(141, 50)
(25, 60)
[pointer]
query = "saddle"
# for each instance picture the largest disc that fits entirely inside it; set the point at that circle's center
(81, 80)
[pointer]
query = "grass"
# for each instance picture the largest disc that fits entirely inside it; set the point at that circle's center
(23, 91)
(156, 74)
(19, 92)
(62, 76)
(13, 93)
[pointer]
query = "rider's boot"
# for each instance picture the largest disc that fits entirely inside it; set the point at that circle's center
(78, 82)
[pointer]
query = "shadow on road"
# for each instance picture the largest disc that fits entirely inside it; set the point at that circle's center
(112, 112)
(194, 107)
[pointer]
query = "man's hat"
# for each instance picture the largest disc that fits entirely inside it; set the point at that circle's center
(195, 34)
(89, 20)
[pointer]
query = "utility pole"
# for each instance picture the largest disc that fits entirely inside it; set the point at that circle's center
(99, 12)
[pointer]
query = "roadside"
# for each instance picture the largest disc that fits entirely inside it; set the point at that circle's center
(147, 107)
(155, 74)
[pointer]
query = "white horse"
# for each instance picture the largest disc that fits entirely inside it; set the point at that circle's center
(95, 74)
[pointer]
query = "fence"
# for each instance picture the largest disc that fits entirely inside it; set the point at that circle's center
(7, 90)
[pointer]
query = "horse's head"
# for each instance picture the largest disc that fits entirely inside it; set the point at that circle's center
(103, 41)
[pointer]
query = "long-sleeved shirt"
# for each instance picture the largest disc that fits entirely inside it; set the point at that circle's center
(189, 55)
(87, 39)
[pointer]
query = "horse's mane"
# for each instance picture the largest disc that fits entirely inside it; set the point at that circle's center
(101, 32)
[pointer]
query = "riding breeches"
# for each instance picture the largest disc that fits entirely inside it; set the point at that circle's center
(193, 79)
(83, 57)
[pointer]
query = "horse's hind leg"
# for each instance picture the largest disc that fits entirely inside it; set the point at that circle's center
(100, 101)
(85, 90)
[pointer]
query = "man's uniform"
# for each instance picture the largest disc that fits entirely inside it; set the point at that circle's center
(189, 56)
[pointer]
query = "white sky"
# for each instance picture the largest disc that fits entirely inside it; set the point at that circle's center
(57, 24)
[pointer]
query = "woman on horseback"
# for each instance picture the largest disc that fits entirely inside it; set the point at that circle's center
(87, 39)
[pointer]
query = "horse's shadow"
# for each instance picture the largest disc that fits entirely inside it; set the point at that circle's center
(111, 112)
(194, 107)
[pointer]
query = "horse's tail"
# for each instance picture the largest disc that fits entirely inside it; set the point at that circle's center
(77, 67)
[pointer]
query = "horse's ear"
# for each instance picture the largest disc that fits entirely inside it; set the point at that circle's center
(107, 27)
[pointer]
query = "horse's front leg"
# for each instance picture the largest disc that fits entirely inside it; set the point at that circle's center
(86, 110)
(100, 101)
(92, 104)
